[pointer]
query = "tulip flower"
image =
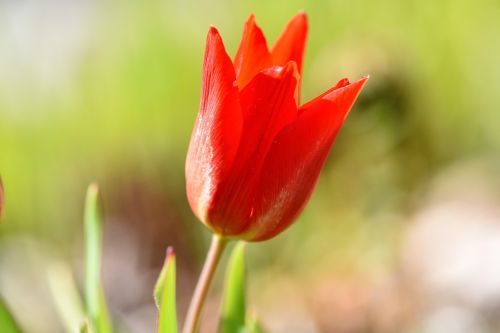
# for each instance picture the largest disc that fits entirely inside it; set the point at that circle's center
(256, 152)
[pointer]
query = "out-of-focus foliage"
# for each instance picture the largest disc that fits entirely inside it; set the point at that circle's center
(165, 296)
(233, 313)
(7, 321)
(108, 92)
(95, 300)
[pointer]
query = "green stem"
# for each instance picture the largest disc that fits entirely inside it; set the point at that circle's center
(192, 322)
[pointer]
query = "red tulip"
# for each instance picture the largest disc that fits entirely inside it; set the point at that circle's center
(256, 153)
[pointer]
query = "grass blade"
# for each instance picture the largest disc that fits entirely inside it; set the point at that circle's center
(7, 322)
(1, 197)
(85, 327)
(253, 324)
(234, 299)
(67, 299)
(94, 295)
(165, 295)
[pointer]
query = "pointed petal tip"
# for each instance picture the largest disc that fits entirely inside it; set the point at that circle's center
(213, 32)
(346, 82)
(362, 81)
(295, 71)
(302, 16)
(251, 22)
(291, 66)
(252, 26)
(342, 84)
(279, 72)
(302, 21)
(214, 39)
(290, 45)
(290, 69)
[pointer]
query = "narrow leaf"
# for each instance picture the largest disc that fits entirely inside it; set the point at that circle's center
(165, 295)
(234, 299)
(1, 197)
(94, 295)
(253, 324)
(160, 283)
(85, 327)
(7, 322)
(103, 323)
(66, 296)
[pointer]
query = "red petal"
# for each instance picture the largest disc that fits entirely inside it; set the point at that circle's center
(291, 43)
(217, 130)
(294, 161)
(253, 54)
(331, 94)
(268, 105)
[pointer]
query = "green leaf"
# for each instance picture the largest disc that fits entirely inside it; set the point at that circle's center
(85, 327)
(253, 324)
(7, 322)
(234, 299)
(165, 295)
(94, 294)
(66, 296)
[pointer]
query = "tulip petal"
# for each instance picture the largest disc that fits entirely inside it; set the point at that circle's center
(268, 105)
(217, 130)
(295, 159)
(252, 55)
(342, 83)
(291, 43)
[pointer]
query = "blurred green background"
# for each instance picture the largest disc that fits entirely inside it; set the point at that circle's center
(404, 223)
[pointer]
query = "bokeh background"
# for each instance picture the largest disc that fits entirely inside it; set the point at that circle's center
(401, 235)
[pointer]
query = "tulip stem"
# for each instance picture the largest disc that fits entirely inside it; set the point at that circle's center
(192, 322)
